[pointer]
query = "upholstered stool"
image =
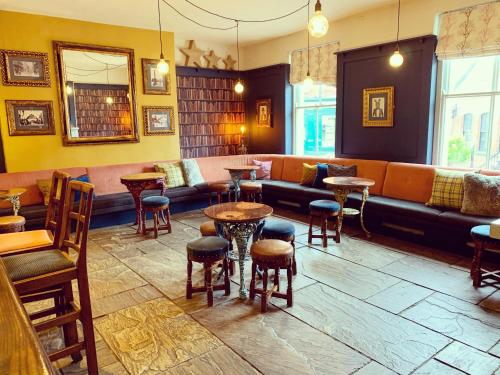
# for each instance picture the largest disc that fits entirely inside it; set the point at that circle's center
(324, 210)
(10, 224)
(483, 242)
(208, 229)
(274, 254)
(219, 188)
(207, 250)
(280, 230)
(252, 191)
(157, 205)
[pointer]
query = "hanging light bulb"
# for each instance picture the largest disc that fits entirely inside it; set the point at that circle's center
(239, 88)
(397, 59)
(308, 83)
(318, 24)
(69, 90)
(162, 65)
(109, 100)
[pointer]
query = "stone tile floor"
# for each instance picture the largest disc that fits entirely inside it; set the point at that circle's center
(363, 307)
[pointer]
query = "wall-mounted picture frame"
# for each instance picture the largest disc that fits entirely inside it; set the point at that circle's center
(154, 82)
(158, 120)
(263, 113)
(378, 107)
(30, 117)
(24, 68)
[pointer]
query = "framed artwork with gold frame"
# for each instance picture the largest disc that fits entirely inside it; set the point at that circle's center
(158, 120)
(263, 113)
(24, 68)
(154, 82)
(378, 107)
(30, 117)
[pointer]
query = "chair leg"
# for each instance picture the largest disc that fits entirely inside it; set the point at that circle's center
(476, 264)
(277, 278)
(69, 330)
(208, 283)
(189, 284)
(324, 226)
(260, 197)
(252, 282)
(209, 199)
(263, 299)
(219, 198)
(289, 291)
(88, 327)
(311, 222)
(143, 222)
(337, 231)
(294, 262)
(155, 221)
(227, 283)
(169, 224)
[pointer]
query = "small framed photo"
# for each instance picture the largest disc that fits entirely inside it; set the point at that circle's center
(264, 114)
(27, 117)
(153, 81)
(378, 107)
(23, 68)
(158, 120)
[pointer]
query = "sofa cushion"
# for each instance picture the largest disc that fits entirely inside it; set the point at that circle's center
(337, 170)
(447, 189)
(481, 195)
(464, 223)
(372, 169)
(264, 173)
(411, 182)
(308, 174)
(292, 166)
(402, 208)
(174, 175)
(192, 173)
(321, 174)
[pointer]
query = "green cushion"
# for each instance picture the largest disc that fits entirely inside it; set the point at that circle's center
(25, 266)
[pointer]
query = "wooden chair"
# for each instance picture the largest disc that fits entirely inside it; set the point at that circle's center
(48, 274)
(48, 238)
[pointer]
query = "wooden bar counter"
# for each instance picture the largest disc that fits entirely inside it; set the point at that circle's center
(21, 352)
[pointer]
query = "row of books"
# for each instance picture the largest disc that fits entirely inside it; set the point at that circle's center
(209, 129)
(107, 121)
(189, 106)
(102, 106)
(103, 133)
(100, 92)
(210, 140)
(187, 153)
(205, 83)
(101, 99)
(187, 118)
(207, 94)
(103, 113)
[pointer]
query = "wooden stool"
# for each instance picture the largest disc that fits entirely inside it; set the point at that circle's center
(11, 224)
(156, 205)
(207, 250)
(324, 210)
(208, 229)
(219, 188)
(281, 230)
(483, 242)
(274, 254)
(252, 191)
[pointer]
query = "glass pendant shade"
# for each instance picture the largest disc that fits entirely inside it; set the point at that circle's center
(318, 24)
(396, 59)
(239, 88)
(308, 83)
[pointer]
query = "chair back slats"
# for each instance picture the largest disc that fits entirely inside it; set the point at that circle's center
(76, 219)
(53, 220)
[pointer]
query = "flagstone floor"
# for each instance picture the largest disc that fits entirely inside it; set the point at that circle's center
(362, 307)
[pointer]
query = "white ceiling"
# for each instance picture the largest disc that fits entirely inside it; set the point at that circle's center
(143, 14)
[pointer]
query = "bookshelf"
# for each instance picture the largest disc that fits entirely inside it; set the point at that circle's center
(210, 114)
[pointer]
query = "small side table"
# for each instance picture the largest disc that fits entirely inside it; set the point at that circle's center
(237, 172)
(483, 242)
(10, 224)
(12, 195)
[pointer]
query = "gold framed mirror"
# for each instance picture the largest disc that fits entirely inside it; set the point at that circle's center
(96, 93)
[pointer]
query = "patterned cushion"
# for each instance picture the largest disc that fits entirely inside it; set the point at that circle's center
(481, 195)
(321, 174)
(173, 172)
(192, 173)
(325, 205)
(336, 170)
(308, 174)
(210, 246)
(154, 201)
(264, 173)
(447, 189)
(24, 266)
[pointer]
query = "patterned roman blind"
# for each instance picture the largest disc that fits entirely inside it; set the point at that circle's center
(322, 64)
(472, 31)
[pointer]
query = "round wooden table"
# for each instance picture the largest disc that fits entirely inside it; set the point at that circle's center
(237, 172)
(240, 220)
(136, 183)
(342, 186)
(12, 195)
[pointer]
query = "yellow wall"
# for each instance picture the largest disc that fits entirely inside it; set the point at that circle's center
(36, 33)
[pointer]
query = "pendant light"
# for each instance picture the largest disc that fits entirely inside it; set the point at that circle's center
(318, 24)
(109, 99)
(238, 87)
(397, 59)
(308, 82)
(162, 66)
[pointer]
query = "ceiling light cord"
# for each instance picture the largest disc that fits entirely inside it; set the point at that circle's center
(397, 34)
(196, 22)
(159, 27)
(238, 43)
(308, 38)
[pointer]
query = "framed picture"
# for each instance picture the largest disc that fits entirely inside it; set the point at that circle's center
(158, 120)
(264, 114)
(153, 81)
(378, 107)
(23, 68)
(27, 117)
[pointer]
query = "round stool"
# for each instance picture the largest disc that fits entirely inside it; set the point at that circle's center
(208, 229)
(324, 210)
(9, 224)
(219, 188)
(207, 250)
(280, 230)
(252, 191)
(157, 205)
(274, 254)
(483, 242)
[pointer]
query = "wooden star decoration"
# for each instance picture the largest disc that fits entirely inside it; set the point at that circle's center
(212, 59)
(229, 62)
(193, 54)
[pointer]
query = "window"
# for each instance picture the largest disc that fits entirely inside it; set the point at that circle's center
(469, 131)
(314, 120)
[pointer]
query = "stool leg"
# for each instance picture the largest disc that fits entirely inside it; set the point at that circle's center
(311, 222)
(337, 231)
(252, 282)
(263, 299)
(143, 222)
(189, 285)
(324, 228)
(219, 198)
(209, 199)
(155, 220)
(277, 278)
(289, 298)
(169, 224)
(260, 197)
(294, 262)
(208, 283)
(476, 264)
(227, 283)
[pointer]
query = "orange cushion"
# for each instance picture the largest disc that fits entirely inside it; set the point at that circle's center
(412, 182)
(372, 169)
(32, 239)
